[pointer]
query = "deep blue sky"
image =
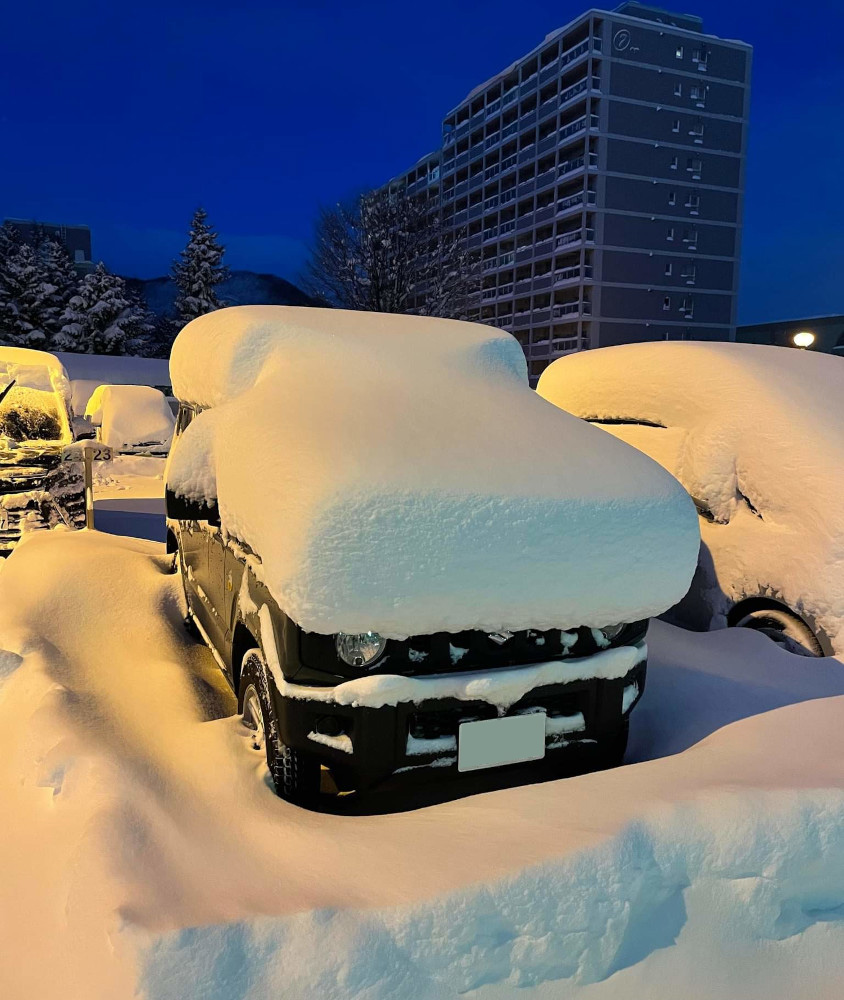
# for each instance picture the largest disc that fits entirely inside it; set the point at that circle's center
(126, 115)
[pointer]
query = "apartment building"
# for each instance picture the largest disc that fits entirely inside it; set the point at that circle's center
(600, 178)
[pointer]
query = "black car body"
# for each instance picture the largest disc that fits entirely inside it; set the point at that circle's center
(363, 745)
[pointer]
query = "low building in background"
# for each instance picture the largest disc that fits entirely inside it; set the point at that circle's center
(600, 178)
(828, 332)
(77, 239)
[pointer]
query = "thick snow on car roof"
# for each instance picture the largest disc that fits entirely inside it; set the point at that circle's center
(131, 416)
(755, 433)
(756, 417)
(397, 473)
(33, 370)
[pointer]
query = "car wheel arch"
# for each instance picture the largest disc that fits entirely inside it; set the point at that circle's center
(243, 639)
(748, 605)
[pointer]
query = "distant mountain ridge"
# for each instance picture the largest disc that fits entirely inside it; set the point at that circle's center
(240, 289)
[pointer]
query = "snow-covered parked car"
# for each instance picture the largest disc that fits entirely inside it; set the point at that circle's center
(131, 419)
(756, 436)
(401, 556)
(37, 488)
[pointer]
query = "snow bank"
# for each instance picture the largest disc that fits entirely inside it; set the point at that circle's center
(131, 418)
(757, 434)
(396, 473)
(142, 852)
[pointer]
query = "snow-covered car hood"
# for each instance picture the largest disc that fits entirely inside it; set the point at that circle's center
(397, 473)
(755, 433)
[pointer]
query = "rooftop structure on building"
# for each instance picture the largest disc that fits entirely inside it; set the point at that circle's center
(77, 239)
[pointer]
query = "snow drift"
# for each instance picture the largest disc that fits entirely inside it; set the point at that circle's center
(131, 418)
(396, 473)
(142, 853)
(756, 434)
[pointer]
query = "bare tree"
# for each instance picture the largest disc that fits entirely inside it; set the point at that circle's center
(387, 252)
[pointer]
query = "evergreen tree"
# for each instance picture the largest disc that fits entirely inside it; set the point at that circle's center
(24, 313)
(103, 317)
(60, 284)
(198, 271)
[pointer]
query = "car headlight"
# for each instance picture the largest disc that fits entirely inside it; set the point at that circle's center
(360, 649)
(611, 632)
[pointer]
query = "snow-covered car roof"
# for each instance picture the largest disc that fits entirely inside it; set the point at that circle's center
(760, 420)
(755, 434)
(33, 370)
(39, 401)
(131, 417)
(397, 473)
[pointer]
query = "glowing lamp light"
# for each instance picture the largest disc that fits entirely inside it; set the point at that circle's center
(803, 339)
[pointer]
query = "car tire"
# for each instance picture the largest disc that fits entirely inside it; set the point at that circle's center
(784, 628)
(295, 774)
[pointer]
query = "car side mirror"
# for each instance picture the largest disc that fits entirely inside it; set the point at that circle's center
(180, 508)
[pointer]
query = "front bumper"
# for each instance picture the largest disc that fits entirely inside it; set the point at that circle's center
(376, 742)
(58, 498)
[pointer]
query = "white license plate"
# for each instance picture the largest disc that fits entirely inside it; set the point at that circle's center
(494, 742)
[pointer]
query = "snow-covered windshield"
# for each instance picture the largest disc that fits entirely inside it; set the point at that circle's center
(28, 414)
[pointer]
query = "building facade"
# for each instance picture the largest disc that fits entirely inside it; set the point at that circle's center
(828, 332)
(77, 239)
(600, 178)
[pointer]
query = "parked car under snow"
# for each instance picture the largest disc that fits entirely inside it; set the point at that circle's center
(131, 419)
(37, 489)
(402, 557)
(756, 436)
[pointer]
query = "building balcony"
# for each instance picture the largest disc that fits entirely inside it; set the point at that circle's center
(576, 236)
(571, 275)
(571, 309)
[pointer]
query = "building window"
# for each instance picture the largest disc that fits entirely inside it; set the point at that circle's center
(676, 126)
(679, 53)
(678, 89)
(669, 269)
(697, 131)
(675, 162)
(690, 237)
(694, 166)
(670, 235)
(672, 197)
(666, 303)
(693, 203)
(688, 306)
(690, 273)
(79, 256)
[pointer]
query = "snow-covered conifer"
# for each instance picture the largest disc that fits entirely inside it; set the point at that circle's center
(103, 317)
(24, 313)
(198, 271)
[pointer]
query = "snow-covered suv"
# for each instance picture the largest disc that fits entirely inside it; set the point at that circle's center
(401, 556)
(37, 488)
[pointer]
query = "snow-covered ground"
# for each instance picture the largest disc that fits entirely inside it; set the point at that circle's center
(129, 496)
(143, 853)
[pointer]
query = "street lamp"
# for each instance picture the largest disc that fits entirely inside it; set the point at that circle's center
(803, 339)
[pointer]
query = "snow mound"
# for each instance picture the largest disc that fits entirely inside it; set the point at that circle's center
(142, 853)
(131, 418)
(756, 434)
(396, 473)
